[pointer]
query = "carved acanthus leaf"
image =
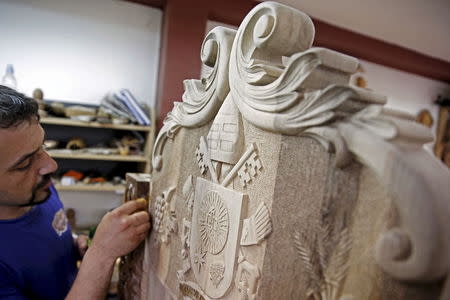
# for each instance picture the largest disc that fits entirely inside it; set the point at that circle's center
(202, 98)
(281, 85)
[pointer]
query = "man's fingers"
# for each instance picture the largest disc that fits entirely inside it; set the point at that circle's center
(142, 228)
(82, 241)
(130, 207)
(137, 218)
(142, 236)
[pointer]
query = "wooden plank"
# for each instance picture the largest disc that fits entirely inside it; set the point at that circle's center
(136, 158)
(106, 187)
(69, 122)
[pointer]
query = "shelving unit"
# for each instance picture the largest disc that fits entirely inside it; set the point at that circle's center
(70, 122)
(65, 125)
(135, 158)
(98, 187)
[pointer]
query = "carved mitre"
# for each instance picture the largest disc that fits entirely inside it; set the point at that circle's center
(267, 91)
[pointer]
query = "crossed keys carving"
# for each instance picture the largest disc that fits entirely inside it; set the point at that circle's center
(247, 166)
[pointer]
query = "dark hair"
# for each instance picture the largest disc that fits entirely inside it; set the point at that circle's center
(15, 108)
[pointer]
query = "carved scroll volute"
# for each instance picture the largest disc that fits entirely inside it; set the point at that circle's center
(264, 37)
(267, 33)
(417, 248)
(276, 82)
(202, 98)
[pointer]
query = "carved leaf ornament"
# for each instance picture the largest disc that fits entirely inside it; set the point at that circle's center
(280, 84)
(202, 98)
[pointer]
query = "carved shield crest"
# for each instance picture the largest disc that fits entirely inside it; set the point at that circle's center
(216, 227)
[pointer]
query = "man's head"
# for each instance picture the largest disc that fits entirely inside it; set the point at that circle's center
(25, 167)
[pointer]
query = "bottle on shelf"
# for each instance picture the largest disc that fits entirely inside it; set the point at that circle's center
(9, 79)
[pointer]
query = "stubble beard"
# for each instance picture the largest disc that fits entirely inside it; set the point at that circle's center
(33, 200)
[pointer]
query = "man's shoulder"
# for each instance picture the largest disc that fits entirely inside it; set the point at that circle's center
(54, 196)
(52, 206)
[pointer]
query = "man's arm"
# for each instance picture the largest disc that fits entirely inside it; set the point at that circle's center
(119, 232)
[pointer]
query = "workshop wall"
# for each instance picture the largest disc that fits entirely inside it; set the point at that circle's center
(79, 50)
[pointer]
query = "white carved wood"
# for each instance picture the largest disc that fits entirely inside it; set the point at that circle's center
(267, 75)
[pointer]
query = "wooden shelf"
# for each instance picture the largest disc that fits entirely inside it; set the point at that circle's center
(99, 187)
(69, 122)
(132, 158)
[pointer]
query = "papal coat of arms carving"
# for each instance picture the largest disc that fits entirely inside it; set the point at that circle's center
(275, 178)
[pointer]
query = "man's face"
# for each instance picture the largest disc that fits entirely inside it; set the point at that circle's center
(25, 167)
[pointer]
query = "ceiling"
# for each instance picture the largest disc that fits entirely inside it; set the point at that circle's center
(423, 26)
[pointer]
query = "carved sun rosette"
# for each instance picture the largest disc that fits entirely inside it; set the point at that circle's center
(268, 73)
(215, 228)
(214, 222)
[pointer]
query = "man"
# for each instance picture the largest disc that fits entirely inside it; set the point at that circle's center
(37, 251)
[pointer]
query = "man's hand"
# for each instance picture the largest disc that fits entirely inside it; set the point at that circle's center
(82, 244)
(122, 230)
(119, 232)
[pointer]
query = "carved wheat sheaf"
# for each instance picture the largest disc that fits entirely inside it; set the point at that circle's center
(338, 265)
(325, 274)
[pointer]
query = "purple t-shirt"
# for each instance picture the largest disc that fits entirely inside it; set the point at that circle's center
(37, 254)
